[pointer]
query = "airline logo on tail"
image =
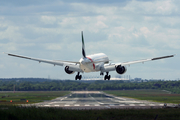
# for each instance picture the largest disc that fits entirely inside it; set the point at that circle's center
(83, 46)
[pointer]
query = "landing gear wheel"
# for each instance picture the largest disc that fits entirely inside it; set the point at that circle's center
(78, 76)
(107, 76)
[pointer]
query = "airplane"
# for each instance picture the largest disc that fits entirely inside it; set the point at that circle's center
(98, 62)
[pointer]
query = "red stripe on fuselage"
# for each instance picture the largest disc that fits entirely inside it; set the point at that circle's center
(91, 61)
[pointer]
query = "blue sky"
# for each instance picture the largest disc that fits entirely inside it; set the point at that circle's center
(125, 31)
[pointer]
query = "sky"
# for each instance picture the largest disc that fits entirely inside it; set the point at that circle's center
(125, 30)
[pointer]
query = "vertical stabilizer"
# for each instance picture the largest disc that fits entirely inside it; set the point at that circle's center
(83, 46)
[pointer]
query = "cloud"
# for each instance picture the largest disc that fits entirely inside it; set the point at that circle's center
(48, 19)
(156, 7)
(53, 46)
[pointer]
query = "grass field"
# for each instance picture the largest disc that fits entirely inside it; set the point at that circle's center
(20, 97)
(32, 113)
(153, 95)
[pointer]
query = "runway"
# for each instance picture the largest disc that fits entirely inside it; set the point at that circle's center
(97, 100)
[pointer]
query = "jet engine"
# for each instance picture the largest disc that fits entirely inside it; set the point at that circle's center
(67, 70)
(121, 69)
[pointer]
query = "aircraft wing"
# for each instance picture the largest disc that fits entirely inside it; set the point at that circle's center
(145, 60)
(112, 66)
(54, 62)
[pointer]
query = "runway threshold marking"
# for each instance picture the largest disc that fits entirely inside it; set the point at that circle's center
(142, 105)
(131, 104)
(76, 105)
(121, 105)
(152, 104)
(46, 105)
(66, 105)
(96, 105)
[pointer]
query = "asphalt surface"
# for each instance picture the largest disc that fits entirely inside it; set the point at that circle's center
(97, 100)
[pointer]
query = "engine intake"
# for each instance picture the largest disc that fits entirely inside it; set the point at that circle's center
(68, 71)
(121, 69)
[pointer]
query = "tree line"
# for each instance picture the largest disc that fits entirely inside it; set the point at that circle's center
(38, 84)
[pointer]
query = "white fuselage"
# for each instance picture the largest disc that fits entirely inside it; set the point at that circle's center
(93, 63)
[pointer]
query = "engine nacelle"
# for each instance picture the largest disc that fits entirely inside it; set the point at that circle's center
(121, 69)
(67, 70)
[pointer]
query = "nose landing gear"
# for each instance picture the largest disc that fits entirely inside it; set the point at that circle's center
(101, 73)
(107, 76)
(78, 76)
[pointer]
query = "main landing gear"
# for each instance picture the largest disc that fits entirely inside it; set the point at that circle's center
(107, 76)
(78, 76)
